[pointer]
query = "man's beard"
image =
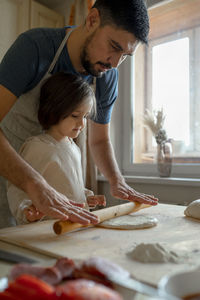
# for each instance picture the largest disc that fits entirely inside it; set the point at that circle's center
(85, 60)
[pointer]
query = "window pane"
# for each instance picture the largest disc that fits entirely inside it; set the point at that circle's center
(170, 87)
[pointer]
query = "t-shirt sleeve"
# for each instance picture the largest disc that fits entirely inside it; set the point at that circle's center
(19, 65)
(106, 94)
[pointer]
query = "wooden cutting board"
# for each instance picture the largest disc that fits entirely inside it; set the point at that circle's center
(173, 229)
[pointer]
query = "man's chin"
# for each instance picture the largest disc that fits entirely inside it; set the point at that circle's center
(97, 74)
(93, 72)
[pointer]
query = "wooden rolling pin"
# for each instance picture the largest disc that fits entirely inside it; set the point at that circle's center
(104, 214)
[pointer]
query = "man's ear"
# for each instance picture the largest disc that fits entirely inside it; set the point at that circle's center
(92, 20)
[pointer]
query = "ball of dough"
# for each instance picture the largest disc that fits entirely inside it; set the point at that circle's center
(193, 209)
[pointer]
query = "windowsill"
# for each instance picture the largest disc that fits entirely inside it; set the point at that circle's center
(187, 158)
(159, 180)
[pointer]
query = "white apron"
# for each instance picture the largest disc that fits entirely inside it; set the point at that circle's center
(20, 123)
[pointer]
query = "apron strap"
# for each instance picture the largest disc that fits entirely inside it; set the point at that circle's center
(52, 65)
(93, 84)
(58, 52)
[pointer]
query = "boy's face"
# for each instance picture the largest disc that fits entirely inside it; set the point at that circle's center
(105, 48)
(72, 125)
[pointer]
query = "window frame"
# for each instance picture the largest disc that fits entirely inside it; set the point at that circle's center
(187, 16)
(140, 169)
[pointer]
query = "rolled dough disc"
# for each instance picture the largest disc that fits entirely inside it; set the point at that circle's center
(130, 222)
(193, 209)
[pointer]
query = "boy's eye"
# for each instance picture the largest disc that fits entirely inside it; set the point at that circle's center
(74, 116)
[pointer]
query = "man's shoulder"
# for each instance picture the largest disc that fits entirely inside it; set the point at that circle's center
(44, 35)
(29, 57)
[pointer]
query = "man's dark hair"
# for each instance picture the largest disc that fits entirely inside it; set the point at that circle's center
(129, 15)
(60, 95)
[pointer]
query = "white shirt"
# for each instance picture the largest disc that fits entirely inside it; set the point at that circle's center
(59, 163)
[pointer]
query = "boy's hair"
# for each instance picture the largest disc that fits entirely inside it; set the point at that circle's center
(129, 15)
(60, 95)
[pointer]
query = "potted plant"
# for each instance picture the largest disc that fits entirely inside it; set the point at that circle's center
(155, 122)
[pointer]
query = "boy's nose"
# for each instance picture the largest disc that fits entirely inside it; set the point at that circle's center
(81, 122)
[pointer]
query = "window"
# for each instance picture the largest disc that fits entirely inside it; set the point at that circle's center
(166, 74)
(170, 85)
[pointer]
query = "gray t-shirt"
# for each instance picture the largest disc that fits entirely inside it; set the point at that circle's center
(29, 58)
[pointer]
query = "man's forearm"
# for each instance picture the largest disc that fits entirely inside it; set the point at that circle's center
(104, 157)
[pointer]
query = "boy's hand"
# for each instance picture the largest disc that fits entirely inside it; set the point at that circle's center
(95, 200)
(33, 214)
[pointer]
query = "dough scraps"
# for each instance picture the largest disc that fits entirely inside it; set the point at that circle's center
(193, 209)
(155, 253)
(130, 222)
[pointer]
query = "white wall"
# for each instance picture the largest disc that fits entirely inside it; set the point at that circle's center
(63, 7)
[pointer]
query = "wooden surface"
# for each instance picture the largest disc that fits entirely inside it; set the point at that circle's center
(173, 229)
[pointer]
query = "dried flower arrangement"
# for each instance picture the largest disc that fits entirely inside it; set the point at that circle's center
(155, 121)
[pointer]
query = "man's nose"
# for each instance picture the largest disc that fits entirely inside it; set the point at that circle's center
(116, 59)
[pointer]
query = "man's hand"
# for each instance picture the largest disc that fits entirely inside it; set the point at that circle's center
(53, 204)
(95, 200)
(123, 191)
(104, 157)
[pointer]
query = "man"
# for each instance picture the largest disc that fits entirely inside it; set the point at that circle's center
(111, 31)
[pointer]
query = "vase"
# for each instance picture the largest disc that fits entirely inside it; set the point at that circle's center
(164, 159)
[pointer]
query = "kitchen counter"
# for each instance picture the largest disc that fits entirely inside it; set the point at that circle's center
(173, 229)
